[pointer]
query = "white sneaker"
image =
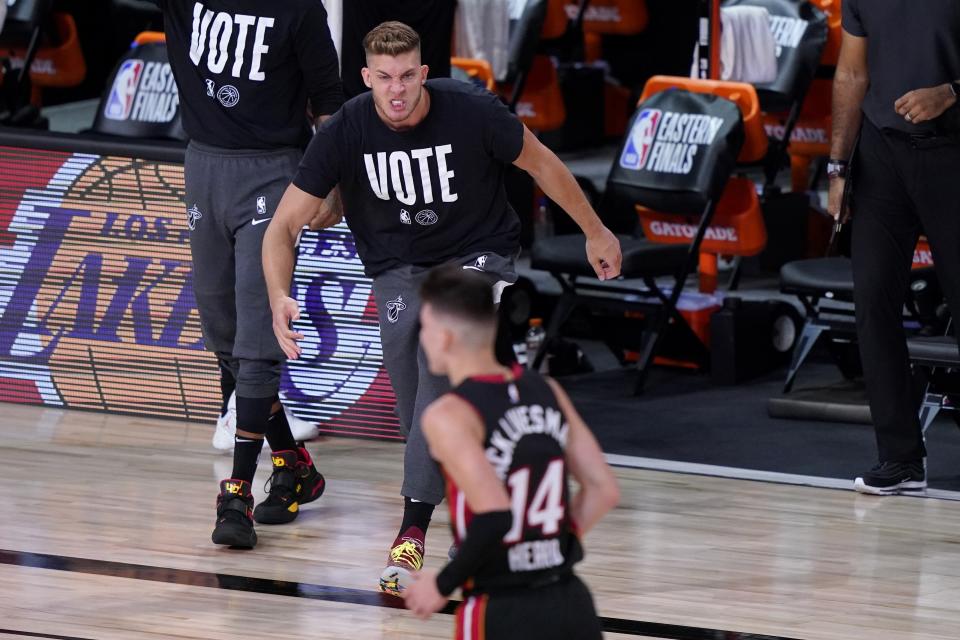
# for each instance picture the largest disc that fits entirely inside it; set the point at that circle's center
(224, 435)
(301, 429)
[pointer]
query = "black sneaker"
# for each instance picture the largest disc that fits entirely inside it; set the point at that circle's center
(888, 478)
(312, 482)
(283, 488)
(234, 526)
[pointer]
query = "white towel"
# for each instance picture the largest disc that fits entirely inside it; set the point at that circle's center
(748, 52)
(482, 30)
(3, 13)
(334, 22)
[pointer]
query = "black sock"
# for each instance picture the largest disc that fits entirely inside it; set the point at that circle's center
(246, 451)
(278, 433)
(228, 385)
(416, 514)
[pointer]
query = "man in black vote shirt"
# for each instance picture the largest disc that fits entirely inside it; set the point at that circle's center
(896, 86)
(246, 73)
(420, 166)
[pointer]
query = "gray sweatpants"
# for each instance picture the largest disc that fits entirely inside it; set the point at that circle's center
(397, 292)
(231, 196)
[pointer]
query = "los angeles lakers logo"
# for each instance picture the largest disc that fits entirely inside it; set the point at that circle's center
(109, 277)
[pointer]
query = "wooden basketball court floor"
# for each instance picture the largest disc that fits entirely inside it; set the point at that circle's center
(106, 521)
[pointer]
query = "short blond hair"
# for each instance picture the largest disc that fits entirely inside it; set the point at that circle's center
(391, 39)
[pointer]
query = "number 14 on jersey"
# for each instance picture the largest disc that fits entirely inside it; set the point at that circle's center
(546, 510)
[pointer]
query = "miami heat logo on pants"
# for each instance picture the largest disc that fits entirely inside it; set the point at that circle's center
(394, 307)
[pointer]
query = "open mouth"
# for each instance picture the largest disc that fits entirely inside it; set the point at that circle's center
(398, 105)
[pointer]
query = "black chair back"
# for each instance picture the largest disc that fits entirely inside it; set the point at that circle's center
(679, 152)
(141, 99)
(800, 32)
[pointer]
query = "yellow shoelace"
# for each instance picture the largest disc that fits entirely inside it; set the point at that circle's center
(408, 553)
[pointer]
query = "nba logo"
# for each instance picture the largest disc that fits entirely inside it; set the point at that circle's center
(120, 101)
(641, 138)
(261, 205)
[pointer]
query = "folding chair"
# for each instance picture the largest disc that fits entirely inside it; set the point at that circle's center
(800, 31)
(691, 199)
(810, 137)
(939, 357)
(123, 111)
(820, 284)
(44, 51)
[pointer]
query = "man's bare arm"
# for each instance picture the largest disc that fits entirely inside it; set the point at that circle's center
(296, 209)
(849, 87)
(603, 248)
(454, 434)
(599, 492)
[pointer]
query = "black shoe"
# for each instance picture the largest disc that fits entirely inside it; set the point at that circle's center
(888, 478)
(283, 500)
(234, 526)
(312, 482)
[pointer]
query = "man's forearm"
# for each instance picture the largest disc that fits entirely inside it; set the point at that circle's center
(560, 186)
(848, 92)
(279, 250)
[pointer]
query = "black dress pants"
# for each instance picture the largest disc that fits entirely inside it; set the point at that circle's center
(901, 185)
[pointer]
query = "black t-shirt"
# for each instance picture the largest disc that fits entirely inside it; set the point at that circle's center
(426, 195)
(245, 69)
(432, 19)
(525, 439)
(911, 44)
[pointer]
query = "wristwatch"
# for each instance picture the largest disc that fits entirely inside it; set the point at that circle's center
(837, 168)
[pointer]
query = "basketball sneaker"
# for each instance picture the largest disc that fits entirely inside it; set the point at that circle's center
(294, 481)
(405, 558)
(283, 491)
(234, 526)
(888, 478)
(301, 429)
(223, 435)
(312, 482)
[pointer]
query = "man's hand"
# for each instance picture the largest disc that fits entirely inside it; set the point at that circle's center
(422, 597)
(603, 253)
(921, 105)
(835, 197)
(285, 310)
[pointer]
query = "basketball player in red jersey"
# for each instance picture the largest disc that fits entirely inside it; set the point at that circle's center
(506, 439)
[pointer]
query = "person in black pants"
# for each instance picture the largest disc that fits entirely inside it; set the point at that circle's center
(247, 73)
(896, 85)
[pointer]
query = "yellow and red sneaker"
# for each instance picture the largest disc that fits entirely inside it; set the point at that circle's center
(283, 491)
(234, 526)
(311, 481)
(405, 558)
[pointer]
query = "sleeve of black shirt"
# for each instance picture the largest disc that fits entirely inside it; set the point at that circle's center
(319, 169)
(850, 11)
(318, 60)
(502, 130)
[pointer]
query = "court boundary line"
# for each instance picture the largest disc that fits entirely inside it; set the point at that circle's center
(192, 577)
(754, 475)
(36, 634)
